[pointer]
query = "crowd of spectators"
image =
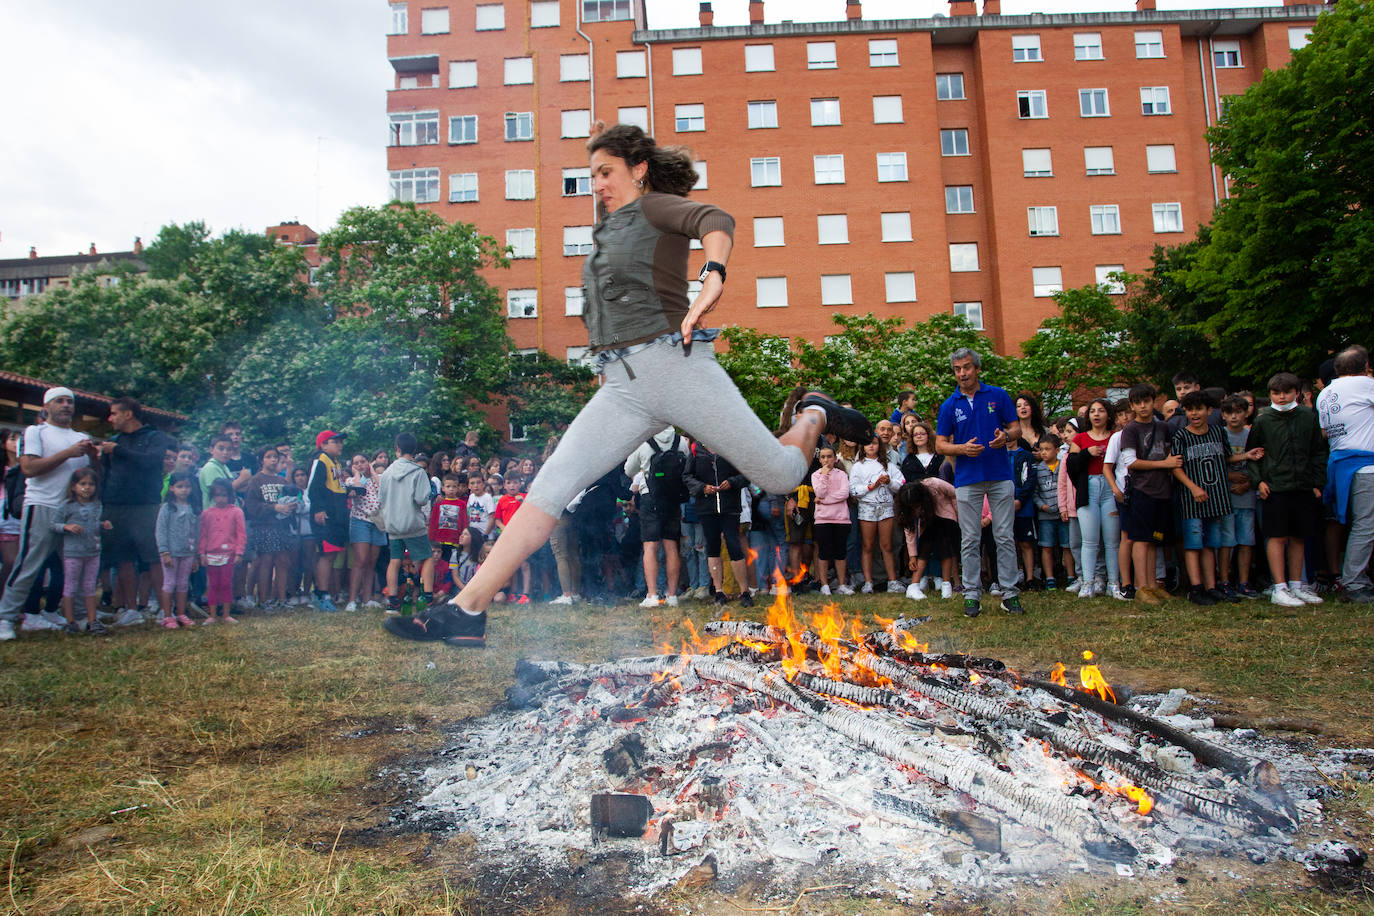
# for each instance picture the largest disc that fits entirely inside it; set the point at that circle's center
(1135, 498)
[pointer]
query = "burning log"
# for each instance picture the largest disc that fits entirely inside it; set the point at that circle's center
(982, 833)
(620, 814)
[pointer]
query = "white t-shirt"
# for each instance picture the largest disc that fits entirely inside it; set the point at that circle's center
(1346, 410)
(1113, 457)
(40, 441)
(482, 512)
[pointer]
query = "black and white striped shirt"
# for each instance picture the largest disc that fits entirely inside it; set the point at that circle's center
(1204, 462)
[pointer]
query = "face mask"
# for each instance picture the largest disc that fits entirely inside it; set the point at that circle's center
(1284, 408)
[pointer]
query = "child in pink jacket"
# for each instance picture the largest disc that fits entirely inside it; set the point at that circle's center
(831, 523)
(223, 539)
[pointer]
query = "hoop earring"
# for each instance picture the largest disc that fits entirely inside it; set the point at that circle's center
(639, 183)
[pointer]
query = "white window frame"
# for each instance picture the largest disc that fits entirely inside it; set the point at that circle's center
(574, 68)
(1093, 103)
(959, 198)
(1154, 156)
(837, 289)
(523, 123)
(522, 303)
(519, 71)
(634, 114)
(462, 188)
(760, 112)
(882, 52)
(544, 14)
(413, 128)
(1168, 217)
(1299, 38)
(825, 112)
(1149, 45)
(1042, 221)
(421, 185)
(820, 55)
(1110, 286)
(1031, 101)
(462, 74)
(700, 167)
(963, 257)
(400, 20)
(458, 132)
(956, 136)
(770, 292)
(1099, 160)
(1046, 281)
(1104, 219)
(686, 61)
(892, 167)
(899, 286)
(768, 232)
(689, 118)
(577, 241)
(887, 109)
(522, 242)
(631, 65)
(1087, 46)
(832, 229)
(1226, 54)
(606, 10)
(1025, 49)
(434, 21)
(949, 87)
(581, 178)
(519, 184)
(574, 302)
(972, 312)
(1154, 101)
(489, 17)
(758, 59)
(576, 122)
(765, 172)
(896, 226)
(828, 168)
(1030, 161)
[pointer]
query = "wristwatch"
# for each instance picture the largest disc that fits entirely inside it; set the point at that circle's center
(710, 266)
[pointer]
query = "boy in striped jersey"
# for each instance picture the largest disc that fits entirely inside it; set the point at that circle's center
(1205, 501)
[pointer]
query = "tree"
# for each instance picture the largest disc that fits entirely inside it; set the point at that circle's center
(1087, 345)
(543, 393)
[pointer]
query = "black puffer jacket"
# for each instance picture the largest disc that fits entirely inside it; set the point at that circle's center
(706, 467)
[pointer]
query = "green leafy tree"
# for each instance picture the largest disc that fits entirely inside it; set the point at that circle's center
(543, 394)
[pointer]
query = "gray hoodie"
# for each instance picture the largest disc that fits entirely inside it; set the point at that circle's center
(405, 497)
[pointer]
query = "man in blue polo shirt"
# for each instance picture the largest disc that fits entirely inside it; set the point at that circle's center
(974, 428)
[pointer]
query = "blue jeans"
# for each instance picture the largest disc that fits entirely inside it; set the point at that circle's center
(769, 541)
(692, 547)
(1101, 527)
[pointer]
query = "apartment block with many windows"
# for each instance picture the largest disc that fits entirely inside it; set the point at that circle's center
(966, 163)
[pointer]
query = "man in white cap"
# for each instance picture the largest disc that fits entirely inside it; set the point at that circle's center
(52, 451)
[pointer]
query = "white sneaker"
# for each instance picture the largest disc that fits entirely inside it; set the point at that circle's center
(1305, 592)
(372, 604)
(128, 617)
(867, 588)
(1284, 598)
(562, 599)
(152, 609)
(825, 589)
(671, 601)
(54, 618)
(895, 588)
(247, 603)
(845, 590)
(650, 600)
(913, 591)
(995, 590)
(6, 631)
(351, 606)
(35, 623)
(946, 589)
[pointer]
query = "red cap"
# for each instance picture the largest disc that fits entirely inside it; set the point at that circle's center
(325, 436)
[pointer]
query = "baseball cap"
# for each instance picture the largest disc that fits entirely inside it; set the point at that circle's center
(57, 392)
(325, 436)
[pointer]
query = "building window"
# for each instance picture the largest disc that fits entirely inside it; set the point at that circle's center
(522, 303)
(896, 226)
(963, 257)
(832, 229)
(765, 171)
(1092, 103)
(544, 14)
(689, 118)
(577, 182)
(1149, 44)
(1160, 158)
(637, 115)
(763, 114)
(758, 58)
(576, 123)
(1226, 54)
(1168, 217)
(400, 20)
(413, 82)
(767, 231)
(1042, 220)
(771, 292)
(462, 129)
(1098, 160)
(825, 112)
(1036, 163)
(949, 86)
(578, 356)
(462, 74)
(414, 128)
(882, 52)
(520, 184)
(700, 167)
(1103, 274)
(577, 240)
(1154, 100)
(1025, 48)
(954, 142)
(574, 303)
(686, 61)
(1046, 281)
(887, 109)
(1299, 38)
(820, 55)
(434, 22)
(418, 185)
(605, 10)
(959, 198)
(519, 125)
(892, 166)
(1106, 219)
(462, 188)
(972, 312)
(521, 242)
(828, 169)
(1030, 103)
(836, 290)
(1087, 46)
(519, 71)
(491, 17)
(900, 286)
(630, 64)
(574, 68)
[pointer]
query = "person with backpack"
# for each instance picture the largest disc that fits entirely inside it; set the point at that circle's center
(662, 459)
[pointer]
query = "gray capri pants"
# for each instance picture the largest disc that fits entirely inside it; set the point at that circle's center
(652, 388)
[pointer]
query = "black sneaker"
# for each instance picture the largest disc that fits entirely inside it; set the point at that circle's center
(746, 598)
(1200, 596)
(393, 604)
(972, 608)
(1012, 605)
(840, 422)
(97, 629)
(721, 600)
(441, 621)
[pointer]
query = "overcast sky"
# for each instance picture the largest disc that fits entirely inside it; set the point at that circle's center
(119, 118)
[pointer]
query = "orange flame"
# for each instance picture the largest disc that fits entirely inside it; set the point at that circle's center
(1057, 675)
(973, 677)
(1144, 804)
(1093, 681)
(902, 638)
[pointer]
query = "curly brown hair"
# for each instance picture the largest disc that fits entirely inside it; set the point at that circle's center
(670, 167)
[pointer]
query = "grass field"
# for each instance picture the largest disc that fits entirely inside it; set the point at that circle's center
(235, 770)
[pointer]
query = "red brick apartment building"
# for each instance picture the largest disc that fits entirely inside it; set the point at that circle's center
(974, 163)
